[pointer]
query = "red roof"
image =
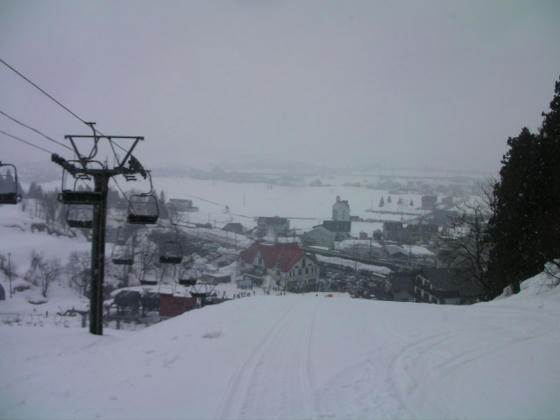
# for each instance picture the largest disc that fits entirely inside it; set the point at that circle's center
(282, 255)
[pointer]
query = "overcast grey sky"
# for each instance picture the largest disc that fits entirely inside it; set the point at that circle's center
(437, 84)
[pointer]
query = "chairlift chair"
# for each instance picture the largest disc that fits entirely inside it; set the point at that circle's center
(143, 208)
(82, 191)
(79, 216)
(171, 253)
(202, 290)
(9, 194)
(122, 255)
(149, 277)
(121, 236)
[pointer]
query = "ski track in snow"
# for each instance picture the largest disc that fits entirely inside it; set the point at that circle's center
(249, 392)
(248, 380)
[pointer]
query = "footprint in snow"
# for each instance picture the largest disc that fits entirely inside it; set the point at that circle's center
(212, 334)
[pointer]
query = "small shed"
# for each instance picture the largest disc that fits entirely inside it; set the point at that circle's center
(171, 305)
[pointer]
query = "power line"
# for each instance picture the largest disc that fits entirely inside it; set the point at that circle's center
(41, 90)
(35, 130)
(26, 142)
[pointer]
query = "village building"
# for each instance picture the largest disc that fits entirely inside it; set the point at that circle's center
(444, 286)
(172, 305)
(429, 202)
(340, 228)
(272, 226)
(320, 236)
(421, 232)
(234, 228)
(401, 286)
(341, 210)
(443, 217)
(412, 233)
(361, 248)
(337, 229)
(393, 231)
(286, 263)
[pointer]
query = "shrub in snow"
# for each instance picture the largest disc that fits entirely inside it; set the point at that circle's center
(42, 272)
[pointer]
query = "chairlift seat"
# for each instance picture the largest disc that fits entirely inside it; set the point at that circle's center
(79, 216)
(80, 197)
(148, 282)
(171, 253)
(140, 219)
(122, 260)
(9, 198)
(122, 255)
(84, 224)
(143, 209)
(9, 193)
(170, 259)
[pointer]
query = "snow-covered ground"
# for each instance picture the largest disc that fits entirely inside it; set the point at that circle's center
(297, 356)
(306, 205)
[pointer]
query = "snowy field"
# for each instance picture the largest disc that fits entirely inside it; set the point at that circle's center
(249, 200)
(306, 206)
(297, 356)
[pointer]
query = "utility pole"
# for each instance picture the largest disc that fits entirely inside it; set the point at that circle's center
(98, 199)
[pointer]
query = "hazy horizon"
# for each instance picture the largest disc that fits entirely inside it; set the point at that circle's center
(434, 84)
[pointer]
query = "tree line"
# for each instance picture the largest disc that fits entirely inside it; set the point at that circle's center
(514, 232)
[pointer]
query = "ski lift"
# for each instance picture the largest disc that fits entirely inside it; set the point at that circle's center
(143, 208)
(79, 216)
(82, 191)
(187, 276)
(9, 193)
(171, 253)
(122, 253)
(203, 292)
(149, 277)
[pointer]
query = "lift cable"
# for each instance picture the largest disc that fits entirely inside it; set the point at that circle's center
(26, 142)
(41, 90)
(35, 130)
(57, 102)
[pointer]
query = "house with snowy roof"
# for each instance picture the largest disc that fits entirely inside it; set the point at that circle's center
(289, 266)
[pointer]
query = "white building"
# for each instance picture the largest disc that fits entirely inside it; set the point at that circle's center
(341, 210)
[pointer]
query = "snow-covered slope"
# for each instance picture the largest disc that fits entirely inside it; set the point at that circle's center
(297, 356)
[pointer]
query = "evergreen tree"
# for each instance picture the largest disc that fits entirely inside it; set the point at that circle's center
(35, 190)
(525, 226)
